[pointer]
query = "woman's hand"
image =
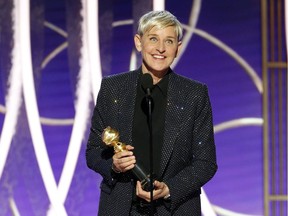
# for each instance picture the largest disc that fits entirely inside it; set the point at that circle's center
(160, 191)
(124, 160)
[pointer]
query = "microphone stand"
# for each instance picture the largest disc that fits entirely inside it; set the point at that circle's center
(149, 101)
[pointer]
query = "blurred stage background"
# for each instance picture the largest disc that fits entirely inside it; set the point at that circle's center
(50, 77)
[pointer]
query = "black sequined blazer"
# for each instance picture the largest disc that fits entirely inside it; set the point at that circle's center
(188, 158)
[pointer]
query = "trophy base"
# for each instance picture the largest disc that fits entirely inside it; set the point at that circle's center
(143, 178)
(146, 184)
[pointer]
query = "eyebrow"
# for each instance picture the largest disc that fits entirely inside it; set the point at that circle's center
(158, 36)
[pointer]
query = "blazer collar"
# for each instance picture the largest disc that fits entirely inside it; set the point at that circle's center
(127, 97)
(173, 119)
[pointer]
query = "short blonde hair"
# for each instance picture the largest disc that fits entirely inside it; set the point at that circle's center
(160, 19)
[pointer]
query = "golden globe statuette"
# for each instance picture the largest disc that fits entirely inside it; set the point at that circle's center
(110, 137)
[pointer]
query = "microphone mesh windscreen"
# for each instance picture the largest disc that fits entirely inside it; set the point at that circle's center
(147, 81)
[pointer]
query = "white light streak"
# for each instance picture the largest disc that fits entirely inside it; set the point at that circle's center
(13, 207)
(158, 5)
(23, 9)
(193, 19)
(206, 206)
(89, 78)
(93, 47)
(13, 97)
(238, 123)
(224, 212)
(133, 60)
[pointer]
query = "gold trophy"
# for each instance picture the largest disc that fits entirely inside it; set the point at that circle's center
(110, 137)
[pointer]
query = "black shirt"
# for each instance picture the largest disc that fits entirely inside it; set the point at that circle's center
(140, 136)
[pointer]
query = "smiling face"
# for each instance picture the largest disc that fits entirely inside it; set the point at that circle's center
(158, 47)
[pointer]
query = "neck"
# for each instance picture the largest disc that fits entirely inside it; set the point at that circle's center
(156, 77)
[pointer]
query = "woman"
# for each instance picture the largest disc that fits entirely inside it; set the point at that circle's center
(182, 130)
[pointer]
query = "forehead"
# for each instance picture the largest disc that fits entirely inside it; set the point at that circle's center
(164, 32)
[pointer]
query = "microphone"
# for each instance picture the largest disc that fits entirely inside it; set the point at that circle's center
(147, 83)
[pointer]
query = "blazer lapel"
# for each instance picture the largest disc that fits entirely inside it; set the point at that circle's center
(174, 110)
(127, 96)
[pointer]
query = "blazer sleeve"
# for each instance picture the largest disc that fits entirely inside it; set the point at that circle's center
(99, 156)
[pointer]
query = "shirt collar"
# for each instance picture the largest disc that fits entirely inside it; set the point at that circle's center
(163, 83)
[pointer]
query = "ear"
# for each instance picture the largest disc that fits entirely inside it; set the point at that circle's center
(178, 48)
(137, 41)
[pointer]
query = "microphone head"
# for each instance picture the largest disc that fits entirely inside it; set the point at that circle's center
(146, 81)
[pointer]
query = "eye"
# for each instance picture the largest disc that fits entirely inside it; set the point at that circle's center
(153, 39)
(170, 42)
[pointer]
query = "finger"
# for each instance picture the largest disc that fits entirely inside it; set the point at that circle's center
(128, 167)
(157, 194)
(123, 154)
(129, 147)
(124, 164)
(142, 193)
(139, 191)
(138, 187)
(157, 184)
(122, 158)
(125, 159)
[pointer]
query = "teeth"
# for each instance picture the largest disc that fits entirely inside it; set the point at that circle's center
(158, 56)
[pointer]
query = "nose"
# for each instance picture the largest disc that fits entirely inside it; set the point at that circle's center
(161, 47)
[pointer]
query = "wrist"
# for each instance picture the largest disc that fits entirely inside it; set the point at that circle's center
(115, 169)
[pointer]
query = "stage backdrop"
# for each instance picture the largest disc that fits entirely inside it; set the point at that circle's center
(51, 67)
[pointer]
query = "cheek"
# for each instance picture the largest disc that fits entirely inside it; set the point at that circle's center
(145, 50)
(147, 47)
(173, 53)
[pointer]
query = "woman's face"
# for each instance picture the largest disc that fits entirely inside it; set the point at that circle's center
(158, 47)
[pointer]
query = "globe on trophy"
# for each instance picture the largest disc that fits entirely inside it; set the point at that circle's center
(110, 137)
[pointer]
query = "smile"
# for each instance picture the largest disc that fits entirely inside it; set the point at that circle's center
(158, 56)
